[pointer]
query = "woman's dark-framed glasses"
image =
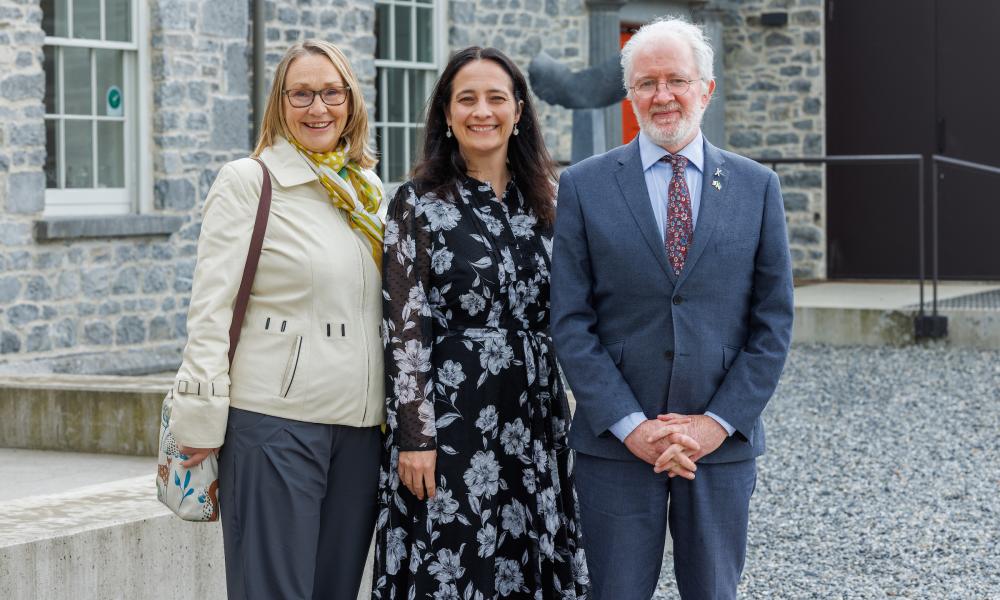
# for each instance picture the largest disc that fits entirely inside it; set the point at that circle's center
(331, 96)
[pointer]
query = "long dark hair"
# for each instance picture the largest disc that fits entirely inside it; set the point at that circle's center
(442, 164)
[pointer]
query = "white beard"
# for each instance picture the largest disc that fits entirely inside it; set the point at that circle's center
(674, 134)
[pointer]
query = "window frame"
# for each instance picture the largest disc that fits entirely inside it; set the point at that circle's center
(435, 66)
(136, 194)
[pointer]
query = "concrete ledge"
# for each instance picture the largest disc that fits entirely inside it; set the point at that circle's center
(67, 228)
(850, 326)
(82, 413)
(111, 541)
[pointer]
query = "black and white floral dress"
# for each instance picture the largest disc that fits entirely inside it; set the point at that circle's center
(470, 372)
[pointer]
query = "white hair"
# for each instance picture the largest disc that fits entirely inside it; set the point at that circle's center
(667, 28)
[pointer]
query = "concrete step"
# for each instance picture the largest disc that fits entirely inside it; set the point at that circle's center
(108, 540)
(881, 313)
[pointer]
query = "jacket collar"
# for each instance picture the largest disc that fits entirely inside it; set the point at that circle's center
(286, 164)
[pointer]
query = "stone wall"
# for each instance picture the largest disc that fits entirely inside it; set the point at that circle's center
(774, 86)
(522, 28)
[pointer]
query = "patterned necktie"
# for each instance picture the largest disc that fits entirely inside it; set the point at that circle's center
(680, 229)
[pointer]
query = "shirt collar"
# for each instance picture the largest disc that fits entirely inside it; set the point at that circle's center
(650, 153)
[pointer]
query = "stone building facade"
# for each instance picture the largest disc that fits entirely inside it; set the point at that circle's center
(100, 293)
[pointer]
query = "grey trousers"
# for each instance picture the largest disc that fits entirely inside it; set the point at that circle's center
(626, 509)
(298, 504)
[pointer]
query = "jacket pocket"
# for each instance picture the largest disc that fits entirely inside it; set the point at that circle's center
(729, 354)
(291, 366)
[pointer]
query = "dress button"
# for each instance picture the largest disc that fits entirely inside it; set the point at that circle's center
(678, 299)
(669, 354)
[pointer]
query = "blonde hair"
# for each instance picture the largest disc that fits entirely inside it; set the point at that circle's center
(356, 129)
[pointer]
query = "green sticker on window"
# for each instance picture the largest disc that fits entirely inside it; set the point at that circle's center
(114, 98)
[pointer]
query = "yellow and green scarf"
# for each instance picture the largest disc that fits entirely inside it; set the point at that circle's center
(363, 213)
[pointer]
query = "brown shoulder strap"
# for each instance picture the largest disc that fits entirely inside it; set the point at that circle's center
(253, 257)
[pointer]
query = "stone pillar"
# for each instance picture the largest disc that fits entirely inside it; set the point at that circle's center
(605, 30)
(713, 124)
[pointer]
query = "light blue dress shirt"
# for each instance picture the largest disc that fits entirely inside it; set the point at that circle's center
(658, 175)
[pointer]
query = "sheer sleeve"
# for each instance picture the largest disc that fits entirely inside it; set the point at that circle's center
(407, 324)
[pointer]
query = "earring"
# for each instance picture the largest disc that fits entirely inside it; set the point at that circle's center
(448, 133)
(516, 130)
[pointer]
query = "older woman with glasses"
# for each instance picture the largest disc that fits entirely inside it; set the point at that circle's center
(297, 414)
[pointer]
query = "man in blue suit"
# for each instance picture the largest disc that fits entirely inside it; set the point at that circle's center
(672, 317)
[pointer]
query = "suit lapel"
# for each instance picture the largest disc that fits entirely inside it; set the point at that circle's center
(633, 186)
(715, 186)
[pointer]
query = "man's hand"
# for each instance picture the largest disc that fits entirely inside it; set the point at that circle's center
(704, 430)
(653, 439)
(195, 455)
(416, 471)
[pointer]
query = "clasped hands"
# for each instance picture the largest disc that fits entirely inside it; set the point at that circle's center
(674, 442)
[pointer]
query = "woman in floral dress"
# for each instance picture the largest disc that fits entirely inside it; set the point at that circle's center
(476, 498)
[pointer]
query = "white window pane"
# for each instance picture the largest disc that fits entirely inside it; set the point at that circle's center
(110, 154)
(404, 33)
(87, 19)
(51, 67)
(51, 153)
(394, 95)
(109, 82)
(425, 35)
(76, 74)
(420, 87)
(382, 36)
(79, 154)
(55, 18)
(118, 20)
(394, 153)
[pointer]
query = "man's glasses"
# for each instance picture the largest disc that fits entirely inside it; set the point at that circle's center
(646, 88)
(332, 96)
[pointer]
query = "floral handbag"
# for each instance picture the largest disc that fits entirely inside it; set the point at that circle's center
(193, 494)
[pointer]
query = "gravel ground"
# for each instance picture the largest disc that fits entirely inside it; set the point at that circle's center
(882, 478)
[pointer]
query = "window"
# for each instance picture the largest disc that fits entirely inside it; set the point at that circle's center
(91, 106)
(407, 60)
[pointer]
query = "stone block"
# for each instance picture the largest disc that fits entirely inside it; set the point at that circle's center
(803, 179)
(161, 329)
(775, 39)
(230, 125)
(196, 91)
(183, 275)
(48, 260)
(812, 38)
(65, 334)
(126, 282)
(111, 307)
(763, 86)
(180, 325)
(813, 144)
(155, 280)
(38, 289)
(130, 330)
(227, 18)
(20, 314)
(805, 234)
(809, 18)
(26, 193)
(800, 85)
(15, 234)
(168, 305)
(237, 68)
(778, 139)
(67, 285)
(49, 312)
(10, 287)
(795, 202)
(811, 106)
(174, 194)
(9, 343)
(38, 339)
(29, 134)
(85, 309)
(96, 282)
(744, 139)
(23, 87)
(791, 70)
(98, 333)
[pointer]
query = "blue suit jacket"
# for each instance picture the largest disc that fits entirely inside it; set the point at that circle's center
(631, 336)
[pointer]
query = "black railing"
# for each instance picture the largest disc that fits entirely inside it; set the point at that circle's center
(924, 325)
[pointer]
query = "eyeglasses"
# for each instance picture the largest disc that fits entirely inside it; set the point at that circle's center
(331, 96)
(647, 88)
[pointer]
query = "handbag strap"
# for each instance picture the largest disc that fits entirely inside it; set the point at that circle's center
(253, 257)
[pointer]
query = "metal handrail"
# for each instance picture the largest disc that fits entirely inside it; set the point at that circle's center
(923, 327)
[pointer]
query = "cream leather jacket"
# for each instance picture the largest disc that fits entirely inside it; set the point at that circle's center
(310, 347)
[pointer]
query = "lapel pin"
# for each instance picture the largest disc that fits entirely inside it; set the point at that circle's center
(717, 185)
(718, 172)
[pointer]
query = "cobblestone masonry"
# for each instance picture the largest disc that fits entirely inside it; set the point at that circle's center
(119, 305)
(773, 82)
